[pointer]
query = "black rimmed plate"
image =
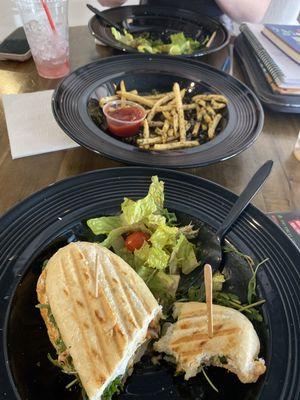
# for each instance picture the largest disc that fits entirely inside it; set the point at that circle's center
(39, 225)
(160, 22)
(70, 101)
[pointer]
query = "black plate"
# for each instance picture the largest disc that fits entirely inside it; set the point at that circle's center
(160, 22)
(52, 217)
(145, 73)
(255, 77)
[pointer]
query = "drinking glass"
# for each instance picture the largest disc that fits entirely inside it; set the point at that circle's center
(49, 44)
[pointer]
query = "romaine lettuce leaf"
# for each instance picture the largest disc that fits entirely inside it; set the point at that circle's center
(217, 282)
(137, 211)
(164, 236)
(154, 220)
(182, 45)
(116, 34)
(104, 225)
(163, 288)
(150, 256)
(141, 255)
(127, 38)
(156, 191)
(183, 256)
(147, 48)
(146, 273)
(157, 258)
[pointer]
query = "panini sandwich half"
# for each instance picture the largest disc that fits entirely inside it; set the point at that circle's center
(234, 345)
(98, 312)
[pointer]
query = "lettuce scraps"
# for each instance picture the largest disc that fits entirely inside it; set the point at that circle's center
(179, 44)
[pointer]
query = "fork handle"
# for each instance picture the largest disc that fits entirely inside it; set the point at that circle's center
(244, 199)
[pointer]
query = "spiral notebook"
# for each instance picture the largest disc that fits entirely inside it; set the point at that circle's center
(284, 71)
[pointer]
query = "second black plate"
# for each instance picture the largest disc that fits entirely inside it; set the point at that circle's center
(146, 73)
(160, 22)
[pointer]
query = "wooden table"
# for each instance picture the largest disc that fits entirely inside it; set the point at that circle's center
(19, 178)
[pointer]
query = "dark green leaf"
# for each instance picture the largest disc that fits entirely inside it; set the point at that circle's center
(53, 361)
(44, 264)
(114, 388)
(229, 248)
(251, 296)
(196, 293)
(223, 359)
(171, 218)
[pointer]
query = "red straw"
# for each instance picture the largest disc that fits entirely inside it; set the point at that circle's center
(50, 19)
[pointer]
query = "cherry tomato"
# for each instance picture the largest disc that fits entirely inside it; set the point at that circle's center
(135, 240)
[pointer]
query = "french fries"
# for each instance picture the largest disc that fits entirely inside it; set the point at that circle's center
(176, 145)
(123, 92)
(146, 131)
(173, 121)
(179, 109)
(212, 127)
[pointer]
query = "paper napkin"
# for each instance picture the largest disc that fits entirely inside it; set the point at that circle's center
(31, 126)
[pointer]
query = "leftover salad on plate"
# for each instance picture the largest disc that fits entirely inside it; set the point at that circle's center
(177, 45)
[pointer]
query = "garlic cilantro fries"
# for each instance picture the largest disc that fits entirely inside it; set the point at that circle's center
(173, 121)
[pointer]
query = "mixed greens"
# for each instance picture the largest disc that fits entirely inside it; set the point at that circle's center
(179, 44)
(165, 250)
(160, 251)
(114, 388)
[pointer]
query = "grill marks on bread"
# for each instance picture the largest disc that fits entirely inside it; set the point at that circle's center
(234, 337)
(97, 326)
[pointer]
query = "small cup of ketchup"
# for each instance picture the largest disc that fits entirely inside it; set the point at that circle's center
(124, 117)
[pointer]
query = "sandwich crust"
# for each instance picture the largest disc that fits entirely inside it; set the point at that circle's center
(234, 341)
(102, 310)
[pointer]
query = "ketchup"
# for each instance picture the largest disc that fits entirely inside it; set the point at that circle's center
(125, 114)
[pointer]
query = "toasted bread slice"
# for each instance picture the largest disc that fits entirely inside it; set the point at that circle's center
(102, 310)
(234, 345)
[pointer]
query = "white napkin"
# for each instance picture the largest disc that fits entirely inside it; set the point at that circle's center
(31, 126)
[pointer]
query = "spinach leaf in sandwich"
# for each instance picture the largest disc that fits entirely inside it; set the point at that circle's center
(114, 388)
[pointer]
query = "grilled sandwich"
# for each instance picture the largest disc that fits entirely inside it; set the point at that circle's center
(98, 313)
(234, 345)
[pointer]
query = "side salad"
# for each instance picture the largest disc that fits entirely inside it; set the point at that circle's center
(146, 236)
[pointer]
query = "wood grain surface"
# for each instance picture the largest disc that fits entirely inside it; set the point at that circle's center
(22, 177)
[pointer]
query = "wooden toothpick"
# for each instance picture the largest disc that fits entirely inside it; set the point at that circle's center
(208, 296)
(97, 276)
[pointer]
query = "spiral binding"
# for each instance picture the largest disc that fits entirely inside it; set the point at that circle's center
(273, 69)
